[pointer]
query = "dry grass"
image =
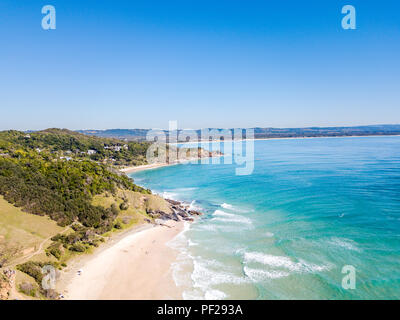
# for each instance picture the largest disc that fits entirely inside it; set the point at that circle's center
(22, 233)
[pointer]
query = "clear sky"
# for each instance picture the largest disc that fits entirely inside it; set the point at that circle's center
(205, 63)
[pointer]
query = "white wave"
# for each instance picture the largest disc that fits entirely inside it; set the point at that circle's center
(282, 262)
(260, 275)
(229, 217)
(222, 227)
(223, 214)
(227, 206)
(193, 206)
(206, 272)
(233, 208)
(311, 267)
(180, 273)
(206, 227)
(197, 275)
(180, 241)
(170, 195)
(206, 275)
(344, 243)
(269, 234)
(186, 189)
(271, 260)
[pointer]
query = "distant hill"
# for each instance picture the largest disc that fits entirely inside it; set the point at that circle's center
(129, 134)
(260, 133)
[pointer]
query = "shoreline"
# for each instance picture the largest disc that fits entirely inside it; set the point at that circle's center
(147, 167)
(113, 272)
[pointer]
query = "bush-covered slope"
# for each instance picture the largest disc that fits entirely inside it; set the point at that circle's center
(43, 183)
(63, 142)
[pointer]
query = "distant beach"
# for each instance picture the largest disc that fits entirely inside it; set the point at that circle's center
(146, 167)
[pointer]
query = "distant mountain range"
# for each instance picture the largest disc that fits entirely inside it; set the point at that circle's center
(262, 133)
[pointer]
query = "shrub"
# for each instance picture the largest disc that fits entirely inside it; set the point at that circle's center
(78, 247)
(33, 269)
(118, 225)
(124, 206)
(114, 210)
(55, 250)
(28, 288)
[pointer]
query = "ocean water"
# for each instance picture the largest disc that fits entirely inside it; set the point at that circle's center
(311, 207)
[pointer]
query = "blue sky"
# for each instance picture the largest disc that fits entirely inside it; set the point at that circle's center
(139, 64)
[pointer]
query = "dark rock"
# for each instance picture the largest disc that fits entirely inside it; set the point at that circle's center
(180, 212)
(173, 202)
(174, 216)
(193, 212)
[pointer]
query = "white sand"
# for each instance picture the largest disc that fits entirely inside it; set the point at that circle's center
(146, 167)
(138, 266)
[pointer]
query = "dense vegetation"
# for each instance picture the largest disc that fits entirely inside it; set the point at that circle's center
(66, 143)
(43, 183)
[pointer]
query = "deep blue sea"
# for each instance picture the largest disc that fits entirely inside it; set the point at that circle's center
(311, 207)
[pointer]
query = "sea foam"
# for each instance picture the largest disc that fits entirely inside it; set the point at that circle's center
(223, 216)
(260, 274)
(282, 262)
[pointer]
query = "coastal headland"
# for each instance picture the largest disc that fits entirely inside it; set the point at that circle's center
(96, 229)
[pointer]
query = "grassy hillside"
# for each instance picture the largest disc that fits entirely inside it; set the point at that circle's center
(21, 233)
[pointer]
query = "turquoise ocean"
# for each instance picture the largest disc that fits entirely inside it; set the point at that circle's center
(310, 207)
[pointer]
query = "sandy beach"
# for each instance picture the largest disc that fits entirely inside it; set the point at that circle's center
(147, 167)
(137, 265)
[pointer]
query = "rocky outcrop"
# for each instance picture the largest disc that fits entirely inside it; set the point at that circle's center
(196, 213)
(6, 281)
(180, 212)
(173, 202)
(5, 289)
